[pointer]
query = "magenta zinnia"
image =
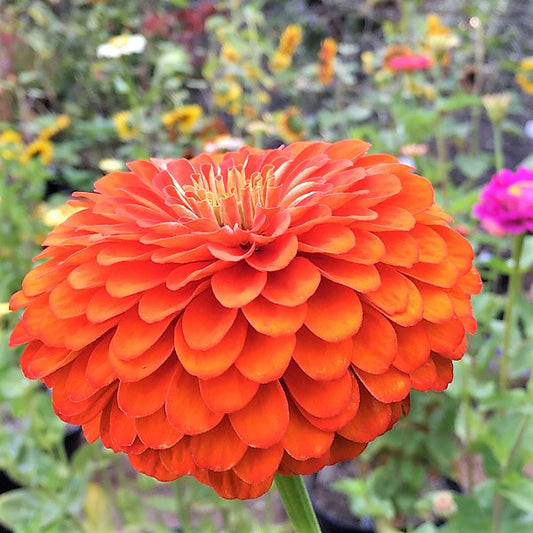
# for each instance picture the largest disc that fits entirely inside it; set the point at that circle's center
(506, 202)
(240, 315)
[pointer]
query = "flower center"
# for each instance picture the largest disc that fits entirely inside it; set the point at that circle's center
(230, 197)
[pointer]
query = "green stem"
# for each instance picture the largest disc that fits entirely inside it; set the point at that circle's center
(297, 504)
(498, 147)
(183, 504)
(442, 159)
(515, 279)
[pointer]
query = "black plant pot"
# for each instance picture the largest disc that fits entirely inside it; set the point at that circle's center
(73, 439)
(6, 484)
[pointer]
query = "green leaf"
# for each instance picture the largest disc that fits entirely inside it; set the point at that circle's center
(518, 489)
(473, 167)
(458, 101)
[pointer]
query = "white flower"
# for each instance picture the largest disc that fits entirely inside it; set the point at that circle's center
(122, 45)
(224, 143)
(109, 164)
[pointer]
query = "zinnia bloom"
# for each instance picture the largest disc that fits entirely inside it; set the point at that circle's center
(125, 125)
(185, 117)
(506, 202)
(122, 45)
(241, 314)
(409, 62)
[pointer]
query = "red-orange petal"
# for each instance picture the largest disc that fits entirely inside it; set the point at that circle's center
(156, 432)
(238, 285)
(319, 359)
(375, 345)
(229, 486)
(205, 322)
(125, 279)
(444, 338)
(332, 238)
(391, 386)
(228, 392)
(218, 449)
(146, 396)
(361, 278)
(424, 377)
(178, 459)
(413, 348)
(206, 364)
(103, 306)
(373, 418)
(334, 312)
(401, 248)
(186, 410)
(319, 398)
(66, 302)
(121, 429)
(263, 422)
(149, 463)
(292, 285)
(273, 319)
(275, 255)
(444, 368)
(258, 464)
(302, 439)
(265, 358)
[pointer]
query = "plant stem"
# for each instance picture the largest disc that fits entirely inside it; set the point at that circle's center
(512, 294)
(184, 513)
(498, 147)
(297, 504)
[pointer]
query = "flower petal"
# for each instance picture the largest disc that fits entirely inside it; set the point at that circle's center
(275, 255)
(238, 285)
(361, 278)
(391, 386)
(413, 348)
(156, 432)
(327, 238)
(258, 464)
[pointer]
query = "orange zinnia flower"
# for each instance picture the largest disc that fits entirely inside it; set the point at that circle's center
(241, 314)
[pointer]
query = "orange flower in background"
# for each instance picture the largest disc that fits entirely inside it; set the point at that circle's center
(326, 57)
(241, 314)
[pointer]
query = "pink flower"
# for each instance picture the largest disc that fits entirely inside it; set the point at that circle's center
(409, 62)
(506, 202)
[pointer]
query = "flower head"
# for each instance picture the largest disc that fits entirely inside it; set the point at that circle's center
(241, 314)
(11, 144)
(185, 117)
(125, 125)
(42, 147)
(409, 62)
(290, 39)
(506, 202)
(524, 75)
(496, 106)
(326, 57)
(122, 45)
(291, 125)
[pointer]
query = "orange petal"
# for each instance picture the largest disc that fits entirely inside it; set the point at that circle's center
(66, 302)
(321, 360)
(459, 249)
(160, 302)
(344, 450)
(392, 297)
(99, 371)
(122, 430)
(186, 410)
(329, 238)
(444, 274)
(218, 449)
(275, 255)
(362, 278)
(103, 306)
(432, 247)
(424, 377)
(43, 277)
(373, 418)
(444, 338)
(155, 431)
(400, 248)
(413, 348)
(146, 363)
(77, 386)
(258, 464)
(229, 486)
(205, 322)
(265, 358)
(416, 194)
(290, 466)
(273, 319)
(470, 282)
(323, 399)
(123, 251)
(368, 248)
(146, 396)
(263, 422)
(391, 386)
(134, 336)
(333, 423)
(390, 217)
(438, 307)
(303, 440)
(87, 276)
(444, 369)
(39, 360)
(294, 284)
(334, 313)
(238, 285)
(228, 392)
(184, 274)
(374, 346)
(214, 361)
(125, 279)
(149, 463)
(91, 430)
(178, 458)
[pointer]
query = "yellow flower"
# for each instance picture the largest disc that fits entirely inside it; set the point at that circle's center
(109, 164)
(228, 95)
(496, 106)
(524, 76)
(43, 147)
(290, 124)
(55, 215)
(10, 144)
(279, 62)
(229, 53)
(61, 122)
(290, 39)
(368, 60)
(4, 308)
(185, 118)
(125, 126)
